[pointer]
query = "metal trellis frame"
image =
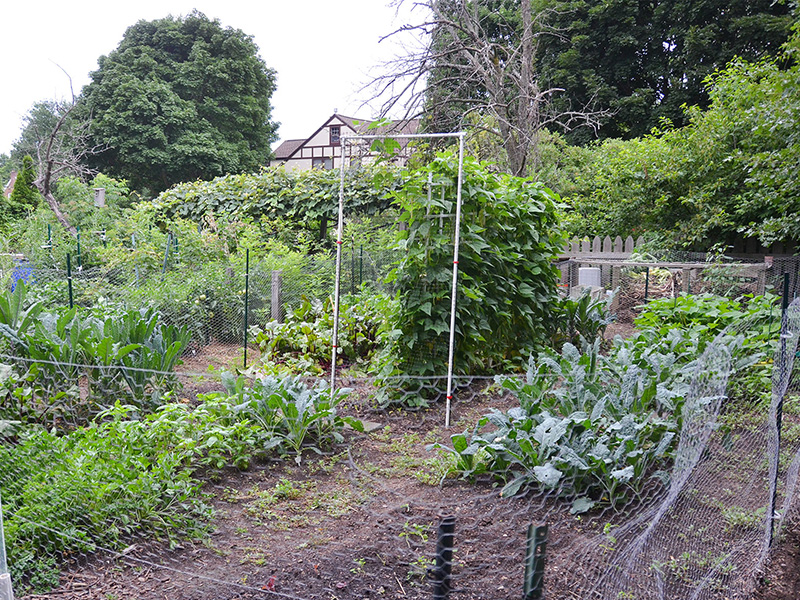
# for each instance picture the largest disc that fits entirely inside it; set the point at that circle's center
(339, 241)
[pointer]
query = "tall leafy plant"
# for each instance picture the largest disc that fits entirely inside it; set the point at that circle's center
(507, 279)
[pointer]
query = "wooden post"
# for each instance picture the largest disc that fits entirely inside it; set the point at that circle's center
(276, 312)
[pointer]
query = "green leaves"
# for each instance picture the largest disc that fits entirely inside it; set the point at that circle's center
(506, 276)
(129, 356)
(305, 199)
(15, 312)
(180, 99)
(601, 428)
(302, 343)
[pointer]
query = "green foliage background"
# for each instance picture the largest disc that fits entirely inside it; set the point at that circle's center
(731, 172)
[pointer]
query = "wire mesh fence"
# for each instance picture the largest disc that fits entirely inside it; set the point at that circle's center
(635, 282)
(133, 476)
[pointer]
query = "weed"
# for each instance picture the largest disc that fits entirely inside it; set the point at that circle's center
(409, 460)
(738, 517)
(359, 568)
(415, 530)
(291, 504)
(255, 556)
(419, 568)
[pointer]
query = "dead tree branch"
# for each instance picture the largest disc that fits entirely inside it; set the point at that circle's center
(465, 68)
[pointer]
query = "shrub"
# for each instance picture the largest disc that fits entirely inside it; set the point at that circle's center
(302, 344)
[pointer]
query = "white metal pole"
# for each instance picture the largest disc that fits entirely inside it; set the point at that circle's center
(455, 281)
(340, 234)
(339, 237)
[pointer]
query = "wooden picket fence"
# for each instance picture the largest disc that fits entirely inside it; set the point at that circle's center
(618, 248)
(605, 248)
(612, 256)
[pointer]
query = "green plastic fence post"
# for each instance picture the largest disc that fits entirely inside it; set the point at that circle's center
(646, 283)
(533, 588)
(79, 248)
(361, 264)
(246, 300)
(166, 253)
(441, 573)
(353, 268)
(69, 278)
(781, 365)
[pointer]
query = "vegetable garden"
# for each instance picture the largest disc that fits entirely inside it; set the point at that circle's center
(143, 453)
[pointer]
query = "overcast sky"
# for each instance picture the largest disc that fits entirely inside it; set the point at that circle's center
(322, 50)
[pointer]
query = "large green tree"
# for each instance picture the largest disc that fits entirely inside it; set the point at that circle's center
(645, 59)
(631, 62)
(732, 172)
(181, 99)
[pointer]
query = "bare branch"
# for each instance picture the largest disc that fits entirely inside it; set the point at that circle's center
(62, 151)
(465, 69)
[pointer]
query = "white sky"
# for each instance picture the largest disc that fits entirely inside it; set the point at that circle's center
(322, 50)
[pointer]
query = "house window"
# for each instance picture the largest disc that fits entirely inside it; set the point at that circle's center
(322, 163)
(336, 132)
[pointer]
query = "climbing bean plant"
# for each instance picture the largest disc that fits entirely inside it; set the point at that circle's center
(507, 279)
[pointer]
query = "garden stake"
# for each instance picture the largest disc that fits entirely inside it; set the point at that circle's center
(533, 587)
(444, 558)
(79, 248)
(69, 278)
(779, 408)
(361, 264)
(166, 252)
(246, 298)
(353, 267)
(135, 265)
(646, 283)
(49, 240)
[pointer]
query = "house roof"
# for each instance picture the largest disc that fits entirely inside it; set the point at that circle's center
(287, 148)
(359, 126)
